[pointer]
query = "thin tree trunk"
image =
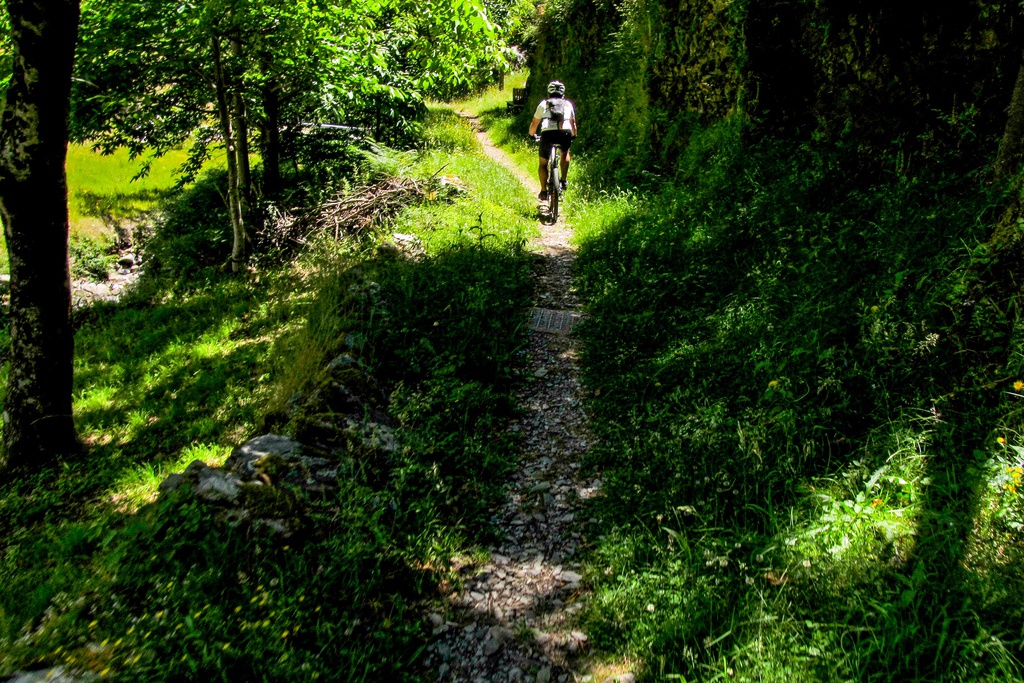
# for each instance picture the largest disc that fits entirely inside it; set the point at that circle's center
(238, 247)
(240, 127)
(271, 141)
(38, 425)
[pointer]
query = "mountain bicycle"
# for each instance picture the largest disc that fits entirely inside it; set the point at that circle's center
(554, 180)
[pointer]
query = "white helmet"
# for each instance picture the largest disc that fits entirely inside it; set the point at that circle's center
(556, 88)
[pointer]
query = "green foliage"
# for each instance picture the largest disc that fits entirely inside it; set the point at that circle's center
(97, 576)
(191, 233)
(771, 351)
(90, 259)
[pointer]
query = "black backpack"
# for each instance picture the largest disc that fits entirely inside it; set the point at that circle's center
(556, 110)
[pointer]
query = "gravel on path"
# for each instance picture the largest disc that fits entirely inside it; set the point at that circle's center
(514, 619)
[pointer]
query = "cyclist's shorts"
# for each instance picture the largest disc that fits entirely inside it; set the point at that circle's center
(550, 137)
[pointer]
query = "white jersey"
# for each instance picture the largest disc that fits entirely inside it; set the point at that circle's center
(543, 112)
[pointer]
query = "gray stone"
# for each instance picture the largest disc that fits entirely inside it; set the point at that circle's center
(172, 483)
(544, 675)
(127, 261)
(491, 647)
(217, 486)
(570, 577)
(621, 678)
(246, 457)
(193, 469)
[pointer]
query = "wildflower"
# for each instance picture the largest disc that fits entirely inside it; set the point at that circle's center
(1001, 440)
(874, 309)
(301, 598)
(807, 563)
(1018, 385)
(774, 383)
(147, 635)
(876, 502)
(92, 624)
(749, 580)
(650, 607)
(159, 614)
(285, 634)
(226, 646)
(103, 674)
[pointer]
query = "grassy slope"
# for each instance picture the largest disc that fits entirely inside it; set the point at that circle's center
(166, 593)
(767, 350)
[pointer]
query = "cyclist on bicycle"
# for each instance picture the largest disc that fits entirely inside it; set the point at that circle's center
(556, 118)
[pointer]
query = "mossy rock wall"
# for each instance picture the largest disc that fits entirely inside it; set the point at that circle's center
(932, 78)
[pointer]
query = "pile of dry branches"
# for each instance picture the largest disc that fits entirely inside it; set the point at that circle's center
(354, 212)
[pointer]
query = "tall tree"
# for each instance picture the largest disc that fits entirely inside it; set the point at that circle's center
(33, 203)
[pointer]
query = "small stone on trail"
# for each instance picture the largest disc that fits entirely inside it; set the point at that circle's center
(544, 675)
(542, 372)
(570, 577)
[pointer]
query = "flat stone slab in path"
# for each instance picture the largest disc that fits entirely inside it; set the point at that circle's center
(553, 322)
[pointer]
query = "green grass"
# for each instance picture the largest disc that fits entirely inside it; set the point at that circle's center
(95, 577)
(796, 487)
(103, 198)
(492, 99)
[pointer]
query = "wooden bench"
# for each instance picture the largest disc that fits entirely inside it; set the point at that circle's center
(518, 100)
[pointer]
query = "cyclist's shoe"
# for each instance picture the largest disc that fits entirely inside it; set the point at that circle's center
(543, 196)
(562, 185)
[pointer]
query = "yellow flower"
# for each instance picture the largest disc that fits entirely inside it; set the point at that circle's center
(876, 502)
(1000, 440)
(1018, 385)
(285, 634)
(159, 614)
(226, 646)
(774, 383)
(238, 609)
(104, 672)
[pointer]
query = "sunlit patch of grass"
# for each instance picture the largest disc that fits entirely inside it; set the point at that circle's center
(138, 485)
(493, 98)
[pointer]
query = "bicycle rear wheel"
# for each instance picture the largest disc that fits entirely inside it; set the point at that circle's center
(553, 182)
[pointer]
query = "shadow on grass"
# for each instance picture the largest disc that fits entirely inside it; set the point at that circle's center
(152, 380)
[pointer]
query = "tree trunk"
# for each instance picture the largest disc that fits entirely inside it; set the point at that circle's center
(240, 127)
(238, 247)
(271, 141)
(1012, 144)
(33, 203)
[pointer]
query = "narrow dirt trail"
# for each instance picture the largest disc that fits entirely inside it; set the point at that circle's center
(513, 621)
